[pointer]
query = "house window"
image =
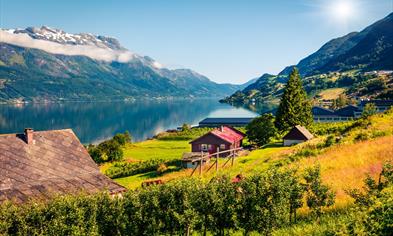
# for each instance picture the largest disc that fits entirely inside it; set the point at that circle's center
(222, 146)
(204, 147)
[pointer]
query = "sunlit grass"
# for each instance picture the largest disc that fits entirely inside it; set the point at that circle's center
(156, 149)
(345, 166)
(332, 93)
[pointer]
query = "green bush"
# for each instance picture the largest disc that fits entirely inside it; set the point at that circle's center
(259, 203)
(109, 150)
(261, 130)
(124, 169)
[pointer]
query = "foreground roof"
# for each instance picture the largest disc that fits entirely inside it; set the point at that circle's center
(52, 162)
(298, 133)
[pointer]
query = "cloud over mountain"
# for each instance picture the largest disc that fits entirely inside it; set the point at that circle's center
(94, 52)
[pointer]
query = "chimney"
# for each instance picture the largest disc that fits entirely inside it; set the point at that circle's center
(222, 128)
(29, 135)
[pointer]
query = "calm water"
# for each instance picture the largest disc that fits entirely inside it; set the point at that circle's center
(94, 122)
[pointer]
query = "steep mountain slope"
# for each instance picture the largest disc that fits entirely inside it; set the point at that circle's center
(327, 52)
(374, 51)
(370, 49)
(44, 64)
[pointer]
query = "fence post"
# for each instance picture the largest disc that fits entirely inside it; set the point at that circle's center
(218, 150)
(200, 165)
(233, 157)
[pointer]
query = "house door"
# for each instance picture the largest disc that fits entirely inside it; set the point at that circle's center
(212, 148)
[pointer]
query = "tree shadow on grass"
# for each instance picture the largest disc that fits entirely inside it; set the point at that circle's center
(273, 145)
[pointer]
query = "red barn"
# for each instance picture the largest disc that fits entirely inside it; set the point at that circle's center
(223, 138)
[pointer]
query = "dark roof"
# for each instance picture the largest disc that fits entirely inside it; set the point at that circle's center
(348, 111)
(320, 111)
(298, 133)
(227, 134)
(242, 120)
(378, 102)
(54, 163)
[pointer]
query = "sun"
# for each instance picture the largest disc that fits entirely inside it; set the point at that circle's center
(342, 9)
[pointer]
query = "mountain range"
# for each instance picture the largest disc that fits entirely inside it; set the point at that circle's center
(46, 64)
(367, 50)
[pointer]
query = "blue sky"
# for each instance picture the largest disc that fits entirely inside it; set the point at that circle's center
(228, 41)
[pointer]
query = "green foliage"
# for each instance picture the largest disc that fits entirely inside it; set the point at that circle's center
(338, 128)
(318, 195)
(123, 169)
(185, 134)
(375, 204)
(261, 130)
(264, 203)
(185, 127)
(369, 110)
(379, 216)
(109, 150)
(122, 139)
(294, 108)
(259, 203)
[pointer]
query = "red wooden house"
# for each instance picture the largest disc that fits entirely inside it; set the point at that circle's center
(221, 139)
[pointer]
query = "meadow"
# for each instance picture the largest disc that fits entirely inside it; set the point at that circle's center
(358, 149)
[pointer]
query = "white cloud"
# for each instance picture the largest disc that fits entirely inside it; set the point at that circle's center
(24, 40)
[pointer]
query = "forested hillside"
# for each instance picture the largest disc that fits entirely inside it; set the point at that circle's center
(352, 55)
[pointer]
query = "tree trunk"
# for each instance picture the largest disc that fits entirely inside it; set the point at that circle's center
(188, 230)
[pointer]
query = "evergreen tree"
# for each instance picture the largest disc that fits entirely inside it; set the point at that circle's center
(294, 108)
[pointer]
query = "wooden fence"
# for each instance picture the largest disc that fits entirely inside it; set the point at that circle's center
(216, 155)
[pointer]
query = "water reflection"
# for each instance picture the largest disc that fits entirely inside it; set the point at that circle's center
(93, 122)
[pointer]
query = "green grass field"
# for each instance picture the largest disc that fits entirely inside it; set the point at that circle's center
(156, 149)
(343, 165)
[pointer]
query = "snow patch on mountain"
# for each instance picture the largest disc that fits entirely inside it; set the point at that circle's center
(92, 51)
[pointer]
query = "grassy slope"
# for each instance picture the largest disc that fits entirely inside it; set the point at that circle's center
(331, 93)
(343, 165)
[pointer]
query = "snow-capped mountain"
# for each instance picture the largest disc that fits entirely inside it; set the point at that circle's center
(59, 36)
(50, 64)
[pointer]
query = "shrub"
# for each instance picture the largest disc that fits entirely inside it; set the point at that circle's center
(318, 195)
(109, 150)
(124, 169)
(369, 110)
(362, 136)
(261, 130)
(330, 140)
(258, 203)
(161, 168)
(122, 139)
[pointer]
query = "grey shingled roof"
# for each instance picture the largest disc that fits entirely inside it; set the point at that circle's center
(55, 163)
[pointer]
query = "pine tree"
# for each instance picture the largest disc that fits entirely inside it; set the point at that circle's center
(294, 108)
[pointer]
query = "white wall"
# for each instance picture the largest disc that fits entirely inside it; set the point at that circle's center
(289, 142)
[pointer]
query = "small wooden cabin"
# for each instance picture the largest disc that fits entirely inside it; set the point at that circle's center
(297, 134)
(220, 139)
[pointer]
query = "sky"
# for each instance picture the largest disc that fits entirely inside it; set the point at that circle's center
(229, 41)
